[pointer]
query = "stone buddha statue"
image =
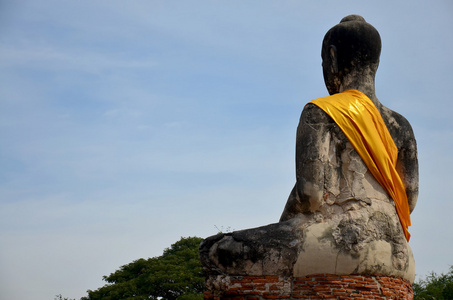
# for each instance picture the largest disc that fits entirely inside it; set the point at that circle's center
(339, 218)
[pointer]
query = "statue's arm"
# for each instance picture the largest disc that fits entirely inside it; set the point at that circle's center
(407, 165)
(312, 134)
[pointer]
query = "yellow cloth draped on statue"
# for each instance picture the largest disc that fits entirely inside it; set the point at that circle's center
(361, 122)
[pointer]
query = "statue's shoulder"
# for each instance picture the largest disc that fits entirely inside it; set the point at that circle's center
(399, 127)
(312, 114)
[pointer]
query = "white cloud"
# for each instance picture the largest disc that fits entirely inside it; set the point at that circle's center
(60, 60)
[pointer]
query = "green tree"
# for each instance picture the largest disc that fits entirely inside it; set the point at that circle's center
(177, 274)
(439, 287)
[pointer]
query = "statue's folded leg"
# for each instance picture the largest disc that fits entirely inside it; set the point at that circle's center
(265, 250)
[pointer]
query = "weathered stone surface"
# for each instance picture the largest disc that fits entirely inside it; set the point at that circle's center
(361, 241)
(338, 219)
(358, 241)
(270, 249)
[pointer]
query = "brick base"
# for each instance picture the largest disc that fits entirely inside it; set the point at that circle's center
(354, 287)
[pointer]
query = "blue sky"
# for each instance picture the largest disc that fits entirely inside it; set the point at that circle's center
(126, 125)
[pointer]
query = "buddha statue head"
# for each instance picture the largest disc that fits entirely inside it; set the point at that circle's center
(350, 53)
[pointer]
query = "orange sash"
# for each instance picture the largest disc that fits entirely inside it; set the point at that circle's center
(361, 122)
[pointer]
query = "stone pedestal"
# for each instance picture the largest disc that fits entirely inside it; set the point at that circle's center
(323, 286)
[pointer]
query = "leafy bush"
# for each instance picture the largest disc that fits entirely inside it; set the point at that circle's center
(177, 274)
(438, 287)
